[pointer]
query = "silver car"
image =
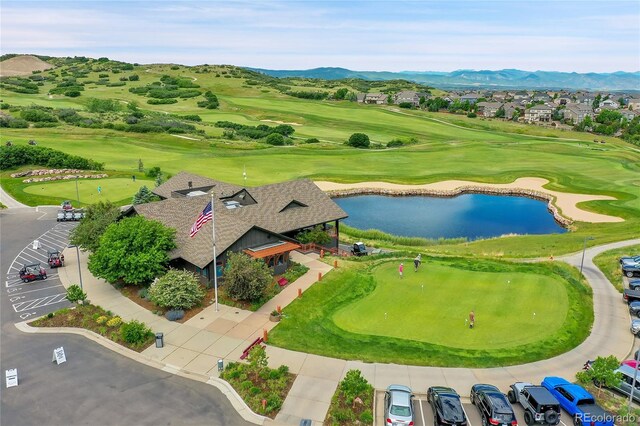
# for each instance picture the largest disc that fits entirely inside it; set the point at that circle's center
(635, 326)
(398, 406)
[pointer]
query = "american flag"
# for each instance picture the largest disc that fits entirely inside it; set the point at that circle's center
(205, 216)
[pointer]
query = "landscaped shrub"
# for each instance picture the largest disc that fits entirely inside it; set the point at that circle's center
(135, 332)
(312, 140)
(38, 115)
(103, 105)
(353, 400)
(101, 319)
(316, 235)
(176, 290)
(162, 101)
(174, 315)
(114, 322)
(246, 278)
(143, 293)
(359, 140)
(19, 155)
(275, 139)
(75, 294)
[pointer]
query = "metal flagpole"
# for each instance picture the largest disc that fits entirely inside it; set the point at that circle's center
(215, 259)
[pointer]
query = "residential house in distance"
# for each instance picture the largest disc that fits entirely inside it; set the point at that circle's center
(609, 104)
(372, 98)
(538, 113)
(585, 98)
(634, 103)
(488, 109)
(509, 109)
(541, 97)
(578, 112)
(259, 221)
(563, 99)
(408, 96)
(520, 94)
(629, 114)
(499, 96)
(472, 98)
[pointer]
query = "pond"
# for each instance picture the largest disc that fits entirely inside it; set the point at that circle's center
(471, 216)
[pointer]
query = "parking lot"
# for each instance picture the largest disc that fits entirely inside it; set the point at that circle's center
(38, 297)
(424, 415)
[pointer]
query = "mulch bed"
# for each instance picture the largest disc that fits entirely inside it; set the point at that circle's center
(84, 316)
(132, 293)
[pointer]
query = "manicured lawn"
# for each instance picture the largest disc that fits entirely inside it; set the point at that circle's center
(449, 147)
(433, 305)
(116, 190)
(343, 316)
(609, 263)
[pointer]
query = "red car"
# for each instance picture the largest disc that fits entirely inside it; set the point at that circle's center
(33, 272)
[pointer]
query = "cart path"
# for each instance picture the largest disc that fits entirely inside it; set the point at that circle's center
(9, 201)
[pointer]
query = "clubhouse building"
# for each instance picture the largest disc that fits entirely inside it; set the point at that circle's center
(259, 221)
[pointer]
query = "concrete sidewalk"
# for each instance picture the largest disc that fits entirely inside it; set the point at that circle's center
(196, 345)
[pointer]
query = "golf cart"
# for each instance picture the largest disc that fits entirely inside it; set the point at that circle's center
(56, 259)
(359, 249)
(32, 272)
(60, 216)
(78, 214)
(66, 205)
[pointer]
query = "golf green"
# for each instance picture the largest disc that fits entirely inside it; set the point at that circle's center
(433, 306)
(115, 190)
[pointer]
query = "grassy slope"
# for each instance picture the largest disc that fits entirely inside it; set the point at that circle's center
(451, 147)
(309, 324)
(609, 263)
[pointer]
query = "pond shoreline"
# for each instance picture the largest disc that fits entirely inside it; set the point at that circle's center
(442, 193)
(562, 205)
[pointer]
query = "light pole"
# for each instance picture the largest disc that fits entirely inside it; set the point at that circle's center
(635, 377)
(77, 192)
(79, 269)
(584, 248)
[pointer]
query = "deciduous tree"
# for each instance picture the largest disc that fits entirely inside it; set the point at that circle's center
(246, 278)
(134, 250)
(97, 217)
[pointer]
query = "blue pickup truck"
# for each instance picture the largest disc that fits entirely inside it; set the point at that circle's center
(578, 403)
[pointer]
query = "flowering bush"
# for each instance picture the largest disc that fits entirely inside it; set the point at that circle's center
(114, 322)
(176, 290)
(101, 319)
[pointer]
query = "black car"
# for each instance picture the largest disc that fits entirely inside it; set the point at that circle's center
(634, 284)
(446, 406)
(634, 308)
(493, 406)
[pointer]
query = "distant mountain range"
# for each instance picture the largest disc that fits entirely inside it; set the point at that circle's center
(465, 79)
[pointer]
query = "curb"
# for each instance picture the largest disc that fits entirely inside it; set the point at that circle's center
(236, 401)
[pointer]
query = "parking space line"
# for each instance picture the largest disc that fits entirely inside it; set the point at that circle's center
(37, 303)
(467, 416)
(36, 289)
(29, 259)
(49, 240)
(422, 413)
(52, 244)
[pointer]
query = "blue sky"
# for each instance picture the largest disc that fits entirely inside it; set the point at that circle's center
(580, 36)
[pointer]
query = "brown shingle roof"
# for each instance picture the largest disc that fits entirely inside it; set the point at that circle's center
(269, 213)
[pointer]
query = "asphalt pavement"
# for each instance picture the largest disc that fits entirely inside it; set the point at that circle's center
(94, 386)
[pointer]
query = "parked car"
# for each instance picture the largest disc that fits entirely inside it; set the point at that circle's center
(624, 387)
(631, 295)
(359, 249)
(32, 272)
(493, 405)
(635, 327)
(630, 362)
(538, 403)
(631, 270)
(630, 260)
(634, 308)
(634, 284)
(579, 403)
(398, 406)
(446, 407)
